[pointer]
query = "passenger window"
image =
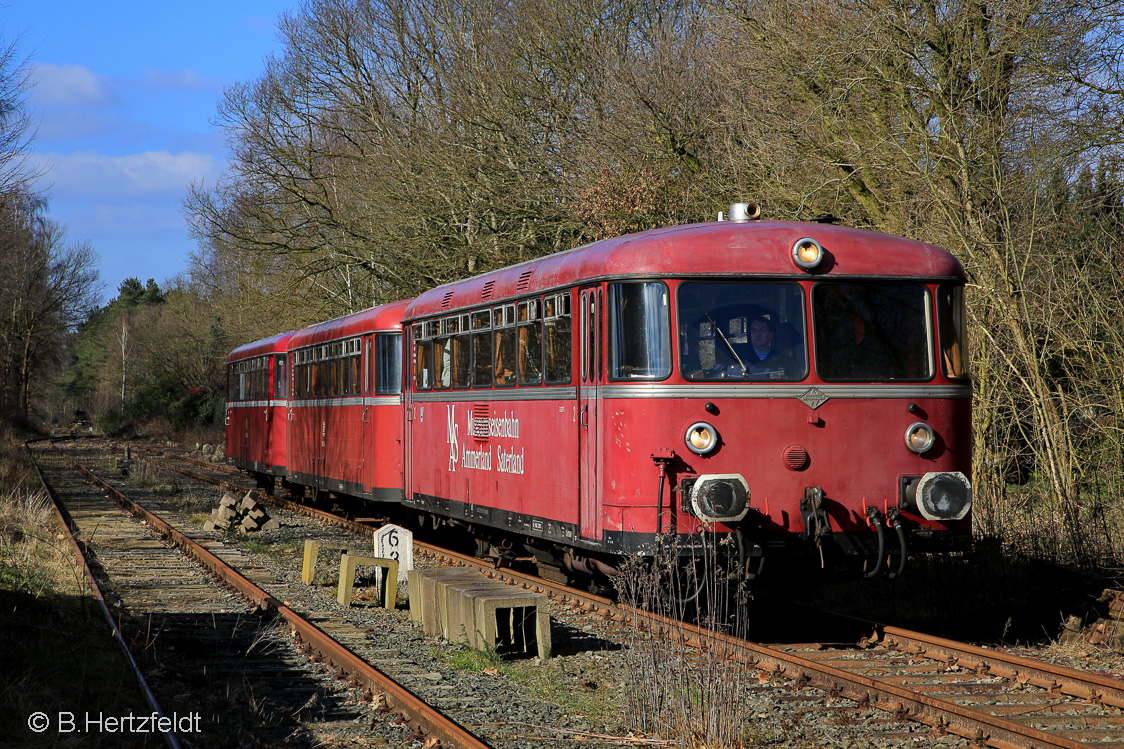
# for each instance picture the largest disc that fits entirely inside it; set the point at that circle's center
(280, 377)
(504, 346)
(639, 331)
(872, 331)
(953, 326)
(423, 365)
(530, 342)
(443, 355)
(557, 337)
(482, 348)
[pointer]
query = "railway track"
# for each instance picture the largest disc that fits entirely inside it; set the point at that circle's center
(238, 660)
(986, 697)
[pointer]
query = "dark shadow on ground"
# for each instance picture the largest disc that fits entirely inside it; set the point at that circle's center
(981, 597)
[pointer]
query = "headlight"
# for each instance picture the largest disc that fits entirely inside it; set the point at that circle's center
(701, 438)
(807, 253)
(919, 437)
(720, 498)
(944, 496)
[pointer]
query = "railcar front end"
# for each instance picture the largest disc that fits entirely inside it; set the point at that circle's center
(256, 404)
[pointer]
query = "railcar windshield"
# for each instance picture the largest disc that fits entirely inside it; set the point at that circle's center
(872, 331)
(746, 331)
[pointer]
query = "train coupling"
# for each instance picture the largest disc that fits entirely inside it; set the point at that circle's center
(812, 512)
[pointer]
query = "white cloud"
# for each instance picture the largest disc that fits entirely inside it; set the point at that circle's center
(91, 175)
(70, 86)
(177, 80)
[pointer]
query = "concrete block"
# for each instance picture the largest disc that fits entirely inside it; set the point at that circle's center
(423, 588)
(228, 500)
(312, 551)
(518, 619)
(348, 565)
(227, 513)
(271, 525)
(248, 503)
(413, 583)
(460, 612)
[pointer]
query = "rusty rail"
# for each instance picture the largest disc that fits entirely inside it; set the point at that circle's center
(399, 698)
(169, 737)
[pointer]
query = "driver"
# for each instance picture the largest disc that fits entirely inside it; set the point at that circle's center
(761, 342)
(756, 358)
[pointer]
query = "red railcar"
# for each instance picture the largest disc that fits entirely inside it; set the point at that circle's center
(257, 386)
(796, 386)
(791, 387)
(345, 410)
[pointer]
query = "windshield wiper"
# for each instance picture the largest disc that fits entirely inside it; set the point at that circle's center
(728, 346)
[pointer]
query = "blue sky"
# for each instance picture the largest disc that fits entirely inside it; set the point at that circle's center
(124, 95)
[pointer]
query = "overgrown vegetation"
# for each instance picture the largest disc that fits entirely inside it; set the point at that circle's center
(692, 697)
(474, 660)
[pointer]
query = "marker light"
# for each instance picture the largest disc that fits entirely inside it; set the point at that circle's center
(807, 253)
(919, 437)
(701, 438)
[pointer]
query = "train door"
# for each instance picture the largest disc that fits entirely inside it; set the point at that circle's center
(271, 372)
(366, 438)
(588, 421)
(409, 364)
(279, 426)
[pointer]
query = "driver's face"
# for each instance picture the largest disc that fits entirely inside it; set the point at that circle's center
(760, 336)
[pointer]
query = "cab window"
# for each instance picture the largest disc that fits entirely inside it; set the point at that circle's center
(876, 332)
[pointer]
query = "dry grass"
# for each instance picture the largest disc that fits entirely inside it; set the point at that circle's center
(1032, 523)
(692, 698)
(35, 558)
(144, 475)
(58, 656)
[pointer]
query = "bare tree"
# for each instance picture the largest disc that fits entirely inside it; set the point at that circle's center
(15, 125)
(48, 288)
(941, 121)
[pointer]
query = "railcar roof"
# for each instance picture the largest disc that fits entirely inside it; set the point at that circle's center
(717, 248)
(271, 345)
(382, 317)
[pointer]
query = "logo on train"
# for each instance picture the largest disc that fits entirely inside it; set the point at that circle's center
(483, 428)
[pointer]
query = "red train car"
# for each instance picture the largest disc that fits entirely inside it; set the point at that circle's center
(345, 409)
(257, 403)
(797, 387)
